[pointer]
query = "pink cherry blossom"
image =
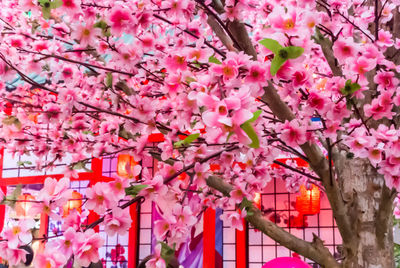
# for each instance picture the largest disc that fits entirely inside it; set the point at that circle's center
(120, 19)
(155, 187)
(234, 219)
(100, 198)
(14, 256)
(118, 186)
(386, 80)
(293, 133)
(117, 222)
(345, 49)
(86, 247)
(363, 65)
(228, 69)
(20, 233)
(384, 39)
(380, 107)
(50, 258)
(156, 261)
(85, 34)
(256, 74)
(65, 245)
(184, 215)
(162, 227)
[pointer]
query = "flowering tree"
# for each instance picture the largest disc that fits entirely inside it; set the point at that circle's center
(226, 82)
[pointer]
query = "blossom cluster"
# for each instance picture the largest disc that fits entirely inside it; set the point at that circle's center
(83, 78)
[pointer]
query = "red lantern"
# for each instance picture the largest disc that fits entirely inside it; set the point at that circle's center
(74, 203)
(308, 202)
(125, 166)
(24, 204)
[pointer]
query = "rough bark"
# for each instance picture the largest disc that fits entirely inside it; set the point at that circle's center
(369, 204)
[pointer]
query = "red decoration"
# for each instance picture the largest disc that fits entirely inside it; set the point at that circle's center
(125, 165)
(24, 204)
(74, 203)
(299, 221)
(156, 137)
(257, 200)
(308, 202)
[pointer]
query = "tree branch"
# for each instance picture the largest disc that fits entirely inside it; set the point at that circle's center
(317, 160)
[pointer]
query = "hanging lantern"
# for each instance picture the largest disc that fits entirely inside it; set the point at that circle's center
(308, 202)
(24, 204)
(125, 166)
(74, 203)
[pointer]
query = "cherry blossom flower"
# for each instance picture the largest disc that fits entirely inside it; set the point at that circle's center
(156, 261)
(162, 227)
(363, 65)
(65, 244)
(14, 256)
(50, 258)
(120, 19)
(86, 247)
(345, 49)
(386, 80)
(384, 39)
(234, 219)
(20, 233)
(85, 34)
(117, 222)
(184, 215)
(293, 133)
(100, 198)
(118, 186)
(228, 69)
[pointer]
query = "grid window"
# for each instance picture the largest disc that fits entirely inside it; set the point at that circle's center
(279, 206)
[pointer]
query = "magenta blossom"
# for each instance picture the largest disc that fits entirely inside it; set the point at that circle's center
(293, 133)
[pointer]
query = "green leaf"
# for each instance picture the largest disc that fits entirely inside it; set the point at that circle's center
(188, 140)
(105, 29)
(79, 165)
(167, 253)
(23, 163)
(56, 4)
(46, 12)
(272, 45)
(249, 130)
(256, 114)
(11, 199)
(133, 190)
(276, 64)
(251, 133)
(294, 52)
(213, 59)
(349, 88)
(109, 80)
(100, 24)
(48, 5)
(190, 80)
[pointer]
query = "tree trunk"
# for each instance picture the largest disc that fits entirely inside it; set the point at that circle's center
(370, 204)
